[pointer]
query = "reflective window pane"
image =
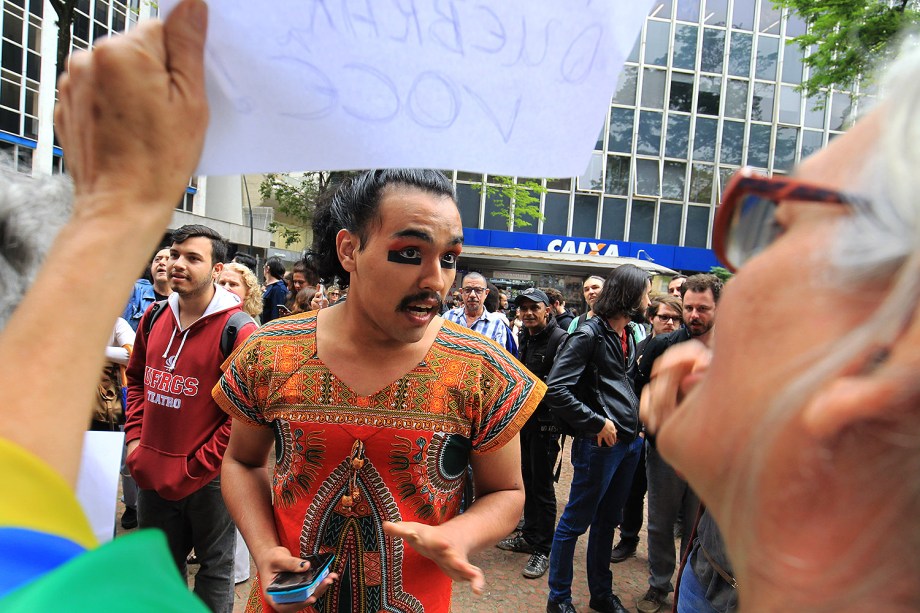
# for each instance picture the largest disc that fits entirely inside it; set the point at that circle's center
(495, 203)
(468, 201)
(715, 13)
(767, 57)
(626, 86)
(812, 141)
(792, 64)
(669, 223)
(795, 25)
(713, 50)
(642, 221)
(732, 143)
(685, 47)
(564, 184)
(762, 102)
(584, 217)
(621, 130)
(814, 117)
(613, 219)
(739, 54)
(697, 233)
(599, 144)
(653, 88)
(678, 136)
(743, 14)
(661, 9)
(681, 96)
(770, 18)
(784, 153)
(790, 102)
(647, 178)
(634, 53)
(556, 213)
(657, 39)
(725, 174)
(673, 179)
(759, 146)
(736, 93)
(617, 175)
(592, 177)
(840, 110)
(710, 95)
(688, 10)
(704, 141)
(648, 139)
(701, 183)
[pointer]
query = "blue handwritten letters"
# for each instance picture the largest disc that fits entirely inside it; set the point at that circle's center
(516, 87)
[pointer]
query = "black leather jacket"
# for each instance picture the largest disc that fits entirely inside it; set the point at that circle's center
(585, 391)
(537, 353)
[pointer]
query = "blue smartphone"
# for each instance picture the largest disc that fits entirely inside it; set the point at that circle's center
(290, 587)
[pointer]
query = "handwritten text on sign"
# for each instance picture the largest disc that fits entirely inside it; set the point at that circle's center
(502, 86)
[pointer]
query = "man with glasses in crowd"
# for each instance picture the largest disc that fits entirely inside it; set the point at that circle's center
(668, 493)
(474, 315)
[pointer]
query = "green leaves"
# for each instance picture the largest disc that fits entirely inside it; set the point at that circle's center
(849, 40)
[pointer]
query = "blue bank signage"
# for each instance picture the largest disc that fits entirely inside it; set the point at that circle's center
(679, 258)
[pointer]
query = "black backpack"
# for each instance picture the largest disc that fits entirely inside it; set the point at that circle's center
(227, 337)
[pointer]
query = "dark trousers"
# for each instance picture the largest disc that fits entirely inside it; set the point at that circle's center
(199, 520)
(634, 509)
(538, 457)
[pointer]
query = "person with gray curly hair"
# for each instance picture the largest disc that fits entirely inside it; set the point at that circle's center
(802, 433)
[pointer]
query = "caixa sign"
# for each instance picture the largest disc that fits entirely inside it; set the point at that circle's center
(582, 247)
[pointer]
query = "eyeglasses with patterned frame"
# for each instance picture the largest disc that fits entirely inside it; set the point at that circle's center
(746, 223)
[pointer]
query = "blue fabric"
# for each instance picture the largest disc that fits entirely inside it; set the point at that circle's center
(275, 294)
(600, 485)
(692, 595)
(142, 296)
(26, 555)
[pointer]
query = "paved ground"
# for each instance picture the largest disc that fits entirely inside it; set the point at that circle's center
(507, 590)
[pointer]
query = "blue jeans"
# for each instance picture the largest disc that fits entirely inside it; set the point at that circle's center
(199, 520)
(600, 485)
(692, 595)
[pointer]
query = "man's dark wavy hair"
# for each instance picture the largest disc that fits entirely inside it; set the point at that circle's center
(622, 292)
(355, 207)
(218, 242)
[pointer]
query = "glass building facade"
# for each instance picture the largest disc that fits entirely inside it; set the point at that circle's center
(21, 64)
(710, 86)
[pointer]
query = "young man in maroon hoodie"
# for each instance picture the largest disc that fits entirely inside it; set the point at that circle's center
(176, 434)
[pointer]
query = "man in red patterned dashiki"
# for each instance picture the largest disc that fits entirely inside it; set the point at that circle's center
(374, 408)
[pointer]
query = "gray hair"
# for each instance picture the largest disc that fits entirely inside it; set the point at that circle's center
(879, 242)
(32, 212)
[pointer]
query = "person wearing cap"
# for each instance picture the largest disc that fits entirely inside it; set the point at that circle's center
(539, 340)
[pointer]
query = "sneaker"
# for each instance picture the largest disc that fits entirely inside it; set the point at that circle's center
(608, 604)
(624, 550)
(652, 601)
(515, 543)
(129, 519)
(536, 566)
(560, 607)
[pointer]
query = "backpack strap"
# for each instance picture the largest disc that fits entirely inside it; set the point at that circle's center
(238, 320)
(155, 311)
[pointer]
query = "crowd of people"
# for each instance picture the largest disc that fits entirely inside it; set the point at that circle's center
(379, 411)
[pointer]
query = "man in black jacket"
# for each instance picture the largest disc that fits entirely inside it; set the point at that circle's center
(588, 388)
(538, 342)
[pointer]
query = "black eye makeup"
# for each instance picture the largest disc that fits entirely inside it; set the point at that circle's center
(409, 255)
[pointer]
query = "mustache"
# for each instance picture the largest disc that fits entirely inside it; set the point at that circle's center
(405, 302)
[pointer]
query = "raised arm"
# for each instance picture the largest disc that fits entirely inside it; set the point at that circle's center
(122, 110)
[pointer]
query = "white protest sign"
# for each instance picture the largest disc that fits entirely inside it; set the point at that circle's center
(517, 87)
(97, 483)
